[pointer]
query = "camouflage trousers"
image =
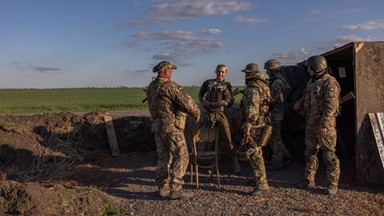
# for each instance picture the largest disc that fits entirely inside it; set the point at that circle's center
(278, 148)
(173, 159)
(218, 119)
(257, 164)
(314, 141)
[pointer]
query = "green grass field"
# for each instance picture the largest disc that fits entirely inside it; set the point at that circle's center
(22, 101)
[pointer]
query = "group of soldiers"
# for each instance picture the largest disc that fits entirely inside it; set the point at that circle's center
(261, 109)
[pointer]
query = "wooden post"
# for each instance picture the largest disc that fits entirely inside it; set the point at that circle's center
(111, 136)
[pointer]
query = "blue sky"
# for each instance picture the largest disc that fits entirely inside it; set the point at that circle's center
(112, 43)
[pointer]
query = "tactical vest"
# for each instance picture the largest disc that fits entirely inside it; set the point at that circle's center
(166, 117)
(315, 96)
(265, 96)
(215, 92)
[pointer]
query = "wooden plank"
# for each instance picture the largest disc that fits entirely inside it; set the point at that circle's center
(111, 136)
(369, 160)
(377, 120)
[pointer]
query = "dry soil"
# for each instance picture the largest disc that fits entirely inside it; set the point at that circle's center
(60, 164)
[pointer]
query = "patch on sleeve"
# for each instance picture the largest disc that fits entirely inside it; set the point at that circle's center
(331, 92)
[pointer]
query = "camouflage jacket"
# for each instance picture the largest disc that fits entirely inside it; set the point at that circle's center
(255, 103)
(169, 106)
(214, 91)
(321, 100)
(279, 92)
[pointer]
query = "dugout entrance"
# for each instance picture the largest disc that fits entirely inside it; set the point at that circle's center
(359, 68)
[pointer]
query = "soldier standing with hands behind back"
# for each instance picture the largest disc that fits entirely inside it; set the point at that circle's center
(169, 106)
(320, 106)
(215, 95)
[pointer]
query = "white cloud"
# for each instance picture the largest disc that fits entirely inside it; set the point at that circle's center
(352, 11)
(338, 42)
(343, 39)
(326, 13)
(175, 11)
(35, 68)
(249, 20)
(44, 69)
(293, 57)
(166, 35)
(370, 25)
(210, 31)
(200, 7)
(177, 46)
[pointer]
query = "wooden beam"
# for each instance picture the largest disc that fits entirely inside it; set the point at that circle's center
(111, 136)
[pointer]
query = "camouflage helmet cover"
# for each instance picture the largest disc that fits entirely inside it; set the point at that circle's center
(163, 65)
(252, 71)
(251, 68)
(318, 63)
(272, 64)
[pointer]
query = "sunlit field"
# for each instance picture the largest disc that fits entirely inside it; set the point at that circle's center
(28, 101)
(21, 101)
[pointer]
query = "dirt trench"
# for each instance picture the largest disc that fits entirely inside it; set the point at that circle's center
(60, 164)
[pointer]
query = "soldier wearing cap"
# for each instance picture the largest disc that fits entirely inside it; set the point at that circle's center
(169, 107)
(254, 107)
(279, 91)
(215, 95)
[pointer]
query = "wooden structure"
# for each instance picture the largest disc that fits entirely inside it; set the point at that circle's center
(111, 136)
(359, 67)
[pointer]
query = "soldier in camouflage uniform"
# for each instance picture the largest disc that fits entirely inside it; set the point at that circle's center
(254, 106)
(320, 106)
(215, 95)
(169, 106)
(279, 92)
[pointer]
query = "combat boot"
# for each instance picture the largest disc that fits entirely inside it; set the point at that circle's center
(306, 184)
(258, 192)
(164, 192)
(181, 194)
(332, 189)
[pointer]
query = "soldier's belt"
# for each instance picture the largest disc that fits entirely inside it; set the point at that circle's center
(215, 109)
(258, 126)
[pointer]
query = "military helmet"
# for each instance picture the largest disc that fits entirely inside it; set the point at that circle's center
(318, 63)
(272, 64)
(163, 65)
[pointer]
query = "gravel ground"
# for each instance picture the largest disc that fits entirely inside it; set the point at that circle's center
(137, 193)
